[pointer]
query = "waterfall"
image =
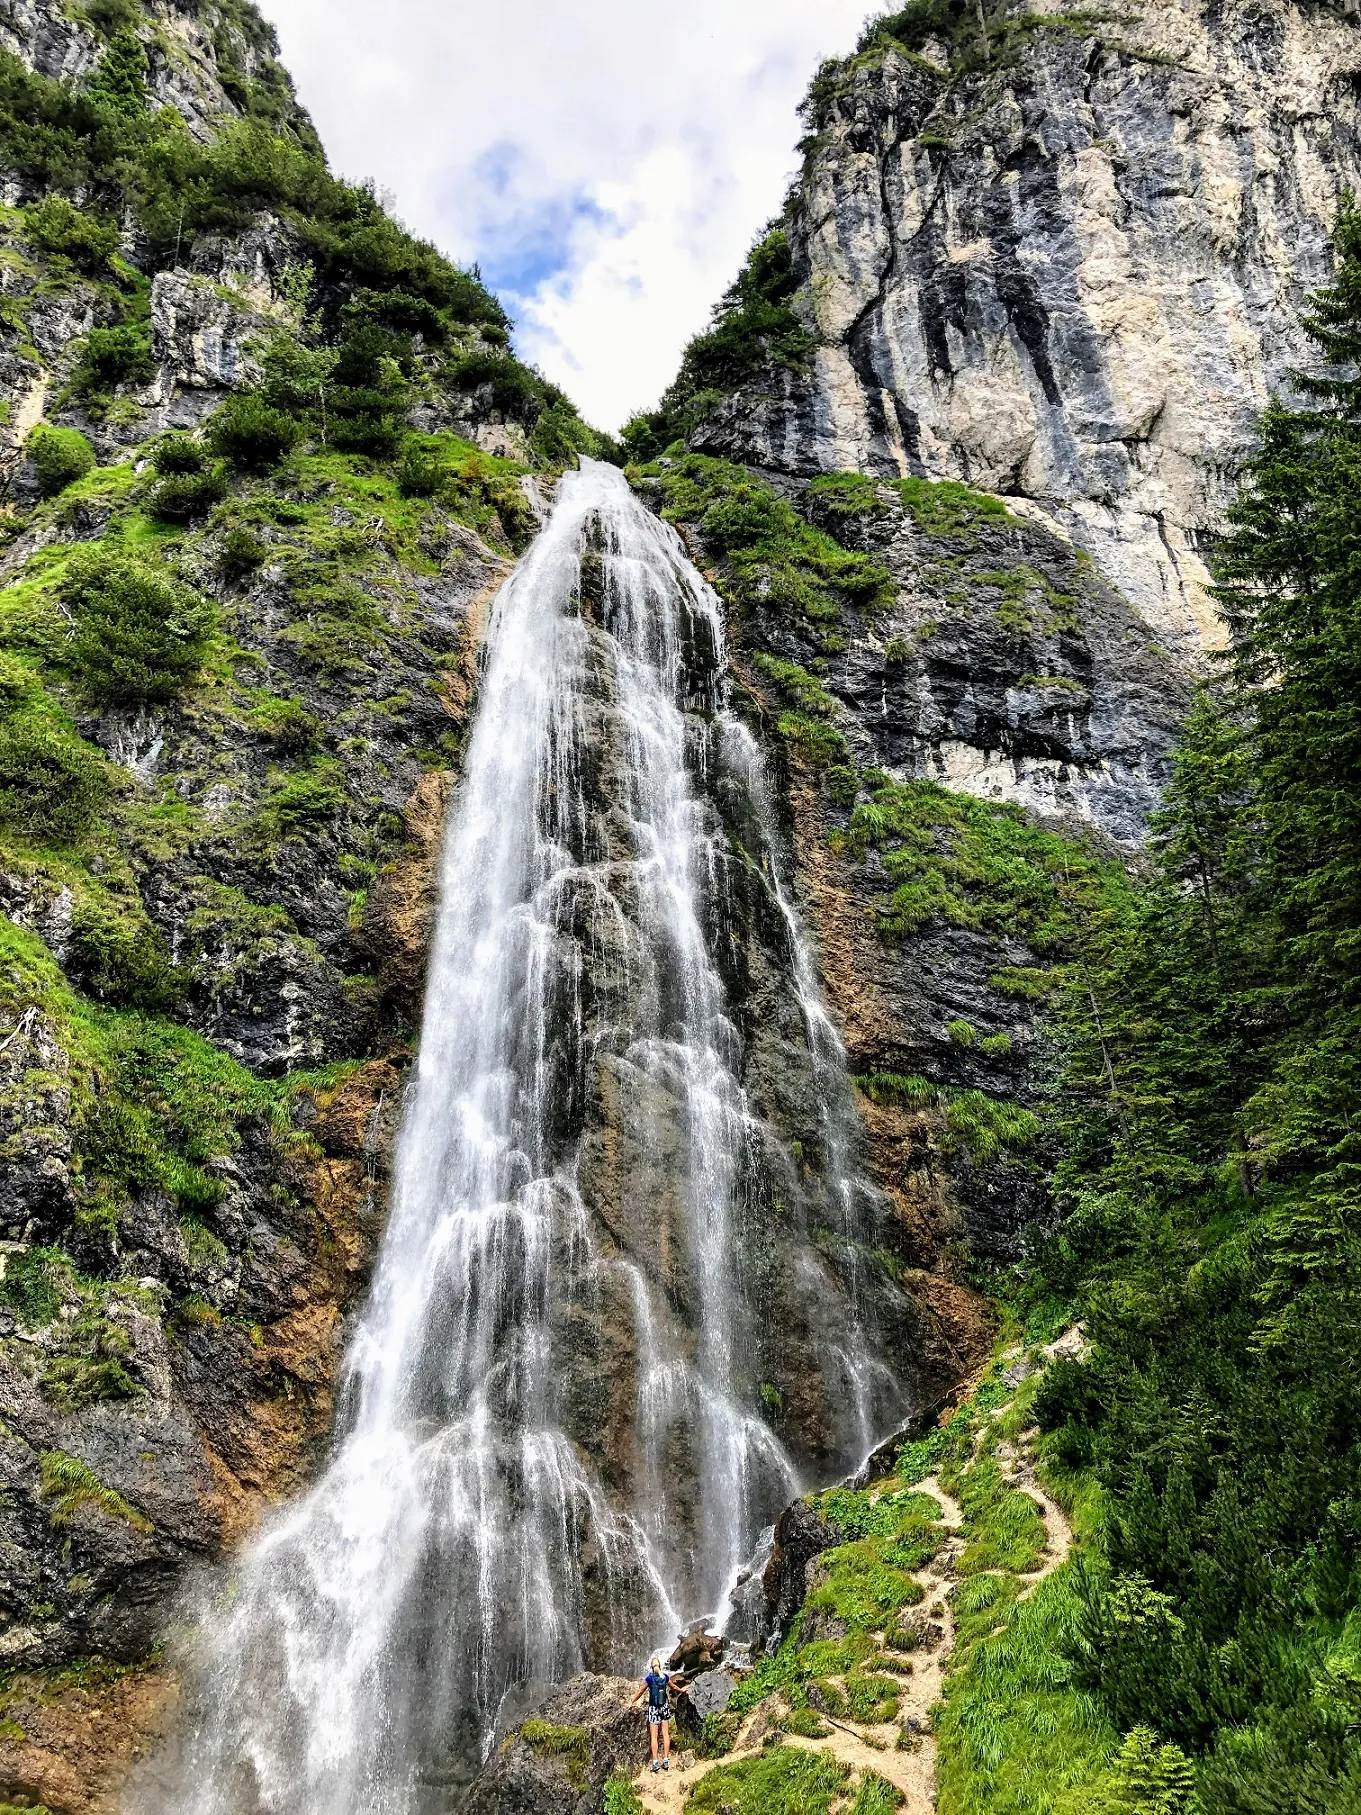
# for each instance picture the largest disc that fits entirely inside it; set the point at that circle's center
(557, 1431)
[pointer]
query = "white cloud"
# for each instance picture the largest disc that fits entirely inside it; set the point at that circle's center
(608, 162)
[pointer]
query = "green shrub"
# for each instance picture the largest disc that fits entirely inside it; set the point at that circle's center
(113, 357)
(820, 745)
(308, 800)
(1147, 1777)
(119, 81)
(118, 956)
(196, 1311)
(55, 226)
(1069, 1393)
(179, 453)
(620, 1797)
(181, 497)
(61, 456)
(251, 434)
(141, 634)
(512, 390)
(871, 1699)
(857, 1515)
(240, 553)
(843, 784)
(19, 684)
(111, 16)
(423, 472)
(806, 1722)
(376, 432)
(560, 435)
(51, 784)
(171, 1103)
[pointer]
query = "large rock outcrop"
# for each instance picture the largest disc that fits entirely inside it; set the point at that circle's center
(1073, 276)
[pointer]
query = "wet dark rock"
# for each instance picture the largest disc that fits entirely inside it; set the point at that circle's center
(152, 1240)
(593, 1734)
(801, 1535)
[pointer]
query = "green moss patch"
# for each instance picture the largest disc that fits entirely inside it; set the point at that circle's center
(570, 1744)
(969, 863)
(944, 507)
(772, 557)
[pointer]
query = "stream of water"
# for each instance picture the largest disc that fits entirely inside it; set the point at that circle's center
(469, 1537)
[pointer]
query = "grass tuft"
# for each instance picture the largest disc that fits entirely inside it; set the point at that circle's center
(70, 1485)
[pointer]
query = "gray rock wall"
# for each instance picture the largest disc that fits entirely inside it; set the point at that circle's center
(179, 39)
(1074, 280)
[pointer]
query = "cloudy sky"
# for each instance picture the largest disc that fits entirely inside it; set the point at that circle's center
(607, 162)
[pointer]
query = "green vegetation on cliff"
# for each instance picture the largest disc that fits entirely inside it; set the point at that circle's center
(136, 599)
(972, 863)
(264, 458)
(775, 560)
(754, 332)
(388, 318)
(1205, 1008)
(1212, 1239)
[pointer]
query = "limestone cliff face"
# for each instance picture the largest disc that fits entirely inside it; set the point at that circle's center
(1066, 271)
(1073, 277)
(194, 55)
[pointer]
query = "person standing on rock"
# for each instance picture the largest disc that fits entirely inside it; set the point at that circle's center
(656, 1686)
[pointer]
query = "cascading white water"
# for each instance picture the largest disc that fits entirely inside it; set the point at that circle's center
(464, 1541)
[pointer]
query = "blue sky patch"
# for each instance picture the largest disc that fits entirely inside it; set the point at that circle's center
(524, 240)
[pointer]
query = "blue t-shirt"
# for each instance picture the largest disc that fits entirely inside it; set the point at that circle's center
(656, 1688)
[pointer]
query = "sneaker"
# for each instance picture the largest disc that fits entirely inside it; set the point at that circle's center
(656, 1764)
(666, 1764)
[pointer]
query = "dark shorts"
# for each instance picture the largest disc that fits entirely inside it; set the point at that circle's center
(658, 1716)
